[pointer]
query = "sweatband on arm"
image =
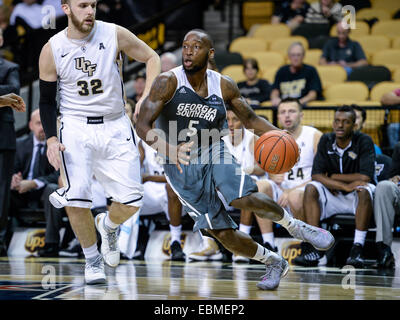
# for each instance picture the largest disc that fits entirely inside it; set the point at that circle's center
(48, 107)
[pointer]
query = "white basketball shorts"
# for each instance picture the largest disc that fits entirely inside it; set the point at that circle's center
(342, 203)
(104, 148)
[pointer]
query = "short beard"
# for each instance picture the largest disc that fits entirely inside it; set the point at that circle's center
(195, 69)
(80, 25)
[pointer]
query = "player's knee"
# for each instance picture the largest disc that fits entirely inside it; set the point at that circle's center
(223, 235)
(265, 187)
(311, 191)
(363, 195)
(296, 201)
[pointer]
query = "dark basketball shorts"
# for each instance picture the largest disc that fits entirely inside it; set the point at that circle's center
(197, 189)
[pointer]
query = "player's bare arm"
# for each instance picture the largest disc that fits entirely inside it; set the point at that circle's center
(48, 104)
(241, 108)
(161, 92)
(140, 51)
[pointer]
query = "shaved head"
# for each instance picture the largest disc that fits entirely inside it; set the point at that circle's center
(203, 35)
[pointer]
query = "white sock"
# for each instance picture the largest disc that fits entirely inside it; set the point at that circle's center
(269, 237)
(175, 233)
(245, 228)
(91, 252)
(109, 224)
(359, 237)
(263, 255)
(287, 219)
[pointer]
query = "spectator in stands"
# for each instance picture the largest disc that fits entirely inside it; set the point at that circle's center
(34, 180)
(129, 108)
(393, 130)
(386, 206)
(361, 117)
(139, 84)
(9, 83)
(324, 11)
(254, 89)
(29, 14)
(343, 51)
(291, 12)
(168, 61)
(343, 182)
(10, 35)
(296, 80)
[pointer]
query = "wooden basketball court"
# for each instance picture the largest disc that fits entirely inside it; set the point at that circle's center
(62, 279)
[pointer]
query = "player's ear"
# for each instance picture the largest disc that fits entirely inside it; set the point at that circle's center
(65, 7)
(211, 53)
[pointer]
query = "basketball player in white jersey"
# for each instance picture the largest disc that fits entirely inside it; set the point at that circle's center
(95, 136)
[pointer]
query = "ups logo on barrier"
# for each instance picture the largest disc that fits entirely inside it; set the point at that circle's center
(290, 250)
(35, 240)
(166, 246)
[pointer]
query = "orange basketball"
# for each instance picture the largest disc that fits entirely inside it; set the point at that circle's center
(276, 151)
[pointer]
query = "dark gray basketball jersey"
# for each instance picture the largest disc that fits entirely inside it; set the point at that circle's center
(189, 117)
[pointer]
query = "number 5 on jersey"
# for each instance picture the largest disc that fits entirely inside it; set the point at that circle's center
(95, 86)
(192, 129)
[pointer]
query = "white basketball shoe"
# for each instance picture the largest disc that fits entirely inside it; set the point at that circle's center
(109, 241)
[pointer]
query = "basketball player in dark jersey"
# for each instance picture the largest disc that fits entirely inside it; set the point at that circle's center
(187, 103)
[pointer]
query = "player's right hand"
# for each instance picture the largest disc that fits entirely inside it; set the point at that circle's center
(182, 154)
(53, 152)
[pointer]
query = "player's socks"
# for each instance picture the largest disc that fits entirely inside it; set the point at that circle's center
(359, 237)
(266, 256)
(176, 232)
(269, 237)
(245, 228)
(109, 225)
(91, 252)
(286, 220)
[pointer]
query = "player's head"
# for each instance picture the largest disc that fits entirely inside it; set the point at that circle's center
(234, 124)
(361, 116)
(344, 122)
(35, 125)
(290, 113)
(197, 48)
(81, 13)
(296, 54)
(250, 68)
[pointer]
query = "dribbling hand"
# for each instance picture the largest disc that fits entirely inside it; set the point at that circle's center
(182, 156)
(53, 152)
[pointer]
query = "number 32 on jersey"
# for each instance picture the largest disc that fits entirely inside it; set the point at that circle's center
(92, 87)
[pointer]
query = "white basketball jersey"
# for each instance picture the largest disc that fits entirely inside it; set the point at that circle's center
(242, 152)
(301, 172)
(152, 161)
(90, 82)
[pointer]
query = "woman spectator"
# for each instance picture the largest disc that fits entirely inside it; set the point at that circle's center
(254, 89)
